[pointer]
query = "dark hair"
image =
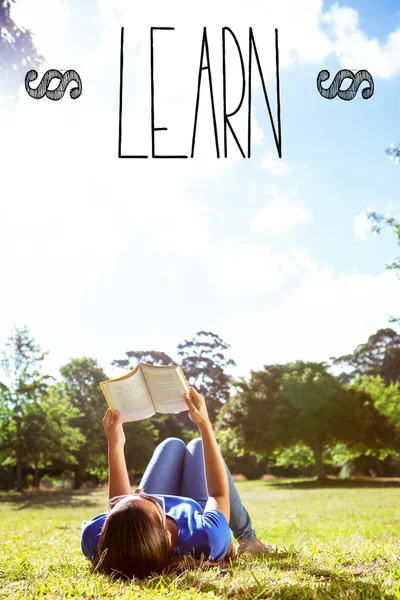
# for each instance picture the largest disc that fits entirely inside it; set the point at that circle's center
(132, 543)
(187, 561)
(135, 544)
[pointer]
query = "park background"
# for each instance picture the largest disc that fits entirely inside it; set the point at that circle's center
(262, 277)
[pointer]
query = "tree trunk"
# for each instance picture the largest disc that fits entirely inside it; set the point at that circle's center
(319, 461)
(77, 478)
(36, 478)
(379, 467)
(19, 460)
(19, 474)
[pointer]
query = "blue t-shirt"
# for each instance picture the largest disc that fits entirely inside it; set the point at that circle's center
(199, 532)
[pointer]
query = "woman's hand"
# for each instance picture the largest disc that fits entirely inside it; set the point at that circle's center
(197, 407)
(113, 429)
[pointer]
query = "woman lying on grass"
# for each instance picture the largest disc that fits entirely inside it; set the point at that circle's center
(186, 506)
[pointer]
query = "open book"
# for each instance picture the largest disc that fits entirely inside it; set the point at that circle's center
(145, 390)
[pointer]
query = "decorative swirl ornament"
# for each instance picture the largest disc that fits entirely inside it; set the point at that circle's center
(334, 89)
(58, 93)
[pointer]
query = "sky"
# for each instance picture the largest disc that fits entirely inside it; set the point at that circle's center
(103, 255)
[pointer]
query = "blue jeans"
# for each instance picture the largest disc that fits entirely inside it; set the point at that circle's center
(178, 470)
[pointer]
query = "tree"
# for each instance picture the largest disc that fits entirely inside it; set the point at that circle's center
(386, 399)
(255, 420)
(239, 458)
(203, 362)
(207, 368)
(394, 152)
(48, 435)
(298, 456)
(301, 403)
(376, 434)
(21, 360)
(258, 413)
(378, 221)
(322, 408)
(151, 357)
(17, 51)
(7, 456)
(165, 425)
(81, 379)
(329, 413)
(380, 355)
(80, 384)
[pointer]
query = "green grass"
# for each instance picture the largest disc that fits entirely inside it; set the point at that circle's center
(333, 541)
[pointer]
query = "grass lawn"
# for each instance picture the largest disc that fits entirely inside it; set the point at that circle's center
(338, 540)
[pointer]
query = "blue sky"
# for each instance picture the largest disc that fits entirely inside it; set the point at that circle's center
(272, 255)
(377, 19)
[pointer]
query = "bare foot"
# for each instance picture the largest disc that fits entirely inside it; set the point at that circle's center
(257, 547)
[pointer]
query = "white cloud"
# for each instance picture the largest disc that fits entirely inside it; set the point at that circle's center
(87, 237)
(281, 214)
(177, 56)
(49, 24)
(274, 164)
(304, 261)
(241, 268)
(324, 316)
(92, 242)
(362, 226)
(302, 39)
(298, 24)
(355, 50)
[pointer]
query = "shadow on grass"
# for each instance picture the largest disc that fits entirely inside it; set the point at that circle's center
(52, 499)
(338, 587)
(308, 484)
(319, 583)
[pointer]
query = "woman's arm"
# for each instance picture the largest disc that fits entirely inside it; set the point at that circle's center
(216, 477)
(118, 481)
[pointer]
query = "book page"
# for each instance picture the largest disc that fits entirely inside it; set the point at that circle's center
(166, 386)
(130, 397)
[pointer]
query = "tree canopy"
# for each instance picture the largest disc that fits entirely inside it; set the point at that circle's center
(17, 52)
(301, 403)
(379, 356)
(22, 399)
(204, 362)
(284, 414)
(386, 399)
